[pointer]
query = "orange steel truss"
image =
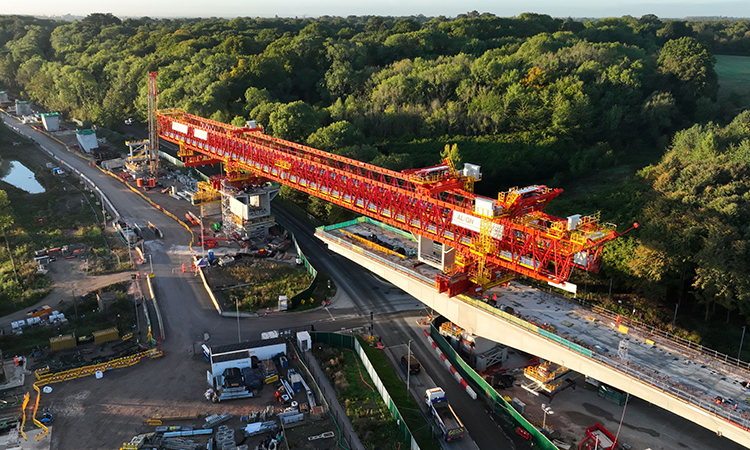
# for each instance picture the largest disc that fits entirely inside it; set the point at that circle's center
(513, 234)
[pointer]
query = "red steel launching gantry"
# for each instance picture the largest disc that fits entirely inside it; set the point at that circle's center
(491, 237)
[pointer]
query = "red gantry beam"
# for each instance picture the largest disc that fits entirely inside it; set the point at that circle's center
(427, 202)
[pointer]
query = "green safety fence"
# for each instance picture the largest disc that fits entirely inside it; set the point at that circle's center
(171, 159)
(402, 233)
(341, 340)
(483, 388)
(522, 323)
(177, 162)
(336, 226)
(310, 269)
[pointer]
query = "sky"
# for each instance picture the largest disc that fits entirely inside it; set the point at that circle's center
(448, 8)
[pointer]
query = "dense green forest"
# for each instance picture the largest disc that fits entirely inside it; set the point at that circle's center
(533, 99)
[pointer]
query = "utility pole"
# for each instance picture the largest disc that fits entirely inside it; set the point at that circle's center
(153, 136)
(741, 341)
(138, 318)
(203, 243)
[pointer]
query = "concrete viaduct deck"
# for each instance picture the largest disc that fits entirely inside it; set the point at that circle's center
(491, 323)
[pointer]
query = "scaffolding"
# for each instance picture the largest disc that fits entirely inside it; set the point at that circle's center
(547, 377)
(205, 194)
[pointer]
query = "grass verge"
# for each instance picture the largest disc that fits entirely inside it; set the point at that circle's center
(354, 388)
(403, 399)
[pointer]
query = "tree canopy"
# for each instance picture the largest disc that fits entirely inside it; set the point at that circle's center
(531, 99)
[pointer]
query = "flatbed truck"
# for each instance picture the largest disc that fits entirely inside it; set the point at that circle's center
(450, 425)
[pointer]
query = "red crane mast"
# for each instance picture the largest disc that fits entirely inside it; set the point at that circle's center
(491, 236)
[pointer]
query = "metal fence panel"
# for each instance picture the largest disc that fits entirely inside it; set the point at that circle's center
(351, 342)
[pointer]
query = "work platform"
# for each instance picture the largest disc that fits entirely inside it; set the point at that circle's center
(673, 377)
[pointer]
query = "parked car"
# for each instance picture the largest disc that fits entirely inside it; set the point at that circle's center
(412, 363)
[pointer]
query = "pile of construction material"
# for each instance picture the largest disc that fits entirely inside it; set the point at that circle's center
(216, 419)
(41, 316)
(225, 438)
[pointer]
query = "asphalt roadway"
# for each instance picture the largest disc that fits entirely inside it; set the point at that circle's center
(189, 316)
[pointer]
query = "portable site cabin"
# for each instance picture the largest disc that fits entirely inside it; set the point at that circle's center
(51, 121)
(87, 140)
(240, 356)
(22, 108)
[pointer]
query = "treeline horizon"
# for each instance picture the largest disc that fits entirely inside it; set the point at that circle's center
(74, 17)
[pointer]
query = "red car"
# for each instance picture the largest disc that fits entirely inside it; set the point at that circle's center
(210, 244)
(524, 434)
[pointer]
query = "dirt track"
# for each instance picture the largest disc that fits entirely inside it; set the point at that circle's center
(67, 275)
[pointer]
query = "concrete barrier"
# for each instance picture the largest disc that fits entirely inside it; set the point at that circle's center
(156, 308)
(210, 293)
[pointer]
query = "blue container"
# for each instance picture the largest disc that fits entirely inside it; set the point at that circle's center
(210, 255)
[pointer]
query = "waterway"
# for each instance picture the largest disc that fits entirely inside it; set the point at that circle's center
(15, 173)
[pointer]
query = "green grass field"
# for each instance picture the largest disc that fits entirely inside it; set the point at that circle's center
(734, 75)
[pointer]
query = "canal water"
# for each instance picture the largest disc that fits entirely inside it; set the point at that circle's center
(15, 173)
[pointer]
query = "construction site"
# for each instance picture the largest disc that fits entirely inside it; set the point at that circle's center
(426, 226)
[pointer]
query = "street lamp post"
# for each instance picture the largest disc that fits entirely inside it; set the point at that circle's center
(75, 306)
(237, 303)
(741, 341)
(138, 318)
(203, 243)
(674, 321)
(547, 410)
(408, 365)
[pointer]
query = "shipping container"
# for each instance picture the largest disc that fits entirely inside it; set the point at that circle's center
(102, 336)
(62, 342)
(612, 394)
(42, 312)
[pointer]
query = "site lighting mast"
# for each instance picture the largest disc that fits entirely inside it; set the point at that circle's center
(153, 136)
(547, 410)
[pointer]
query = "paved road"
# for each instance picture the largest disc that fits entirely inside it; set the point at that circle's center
(398, 329)
(365, 291)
